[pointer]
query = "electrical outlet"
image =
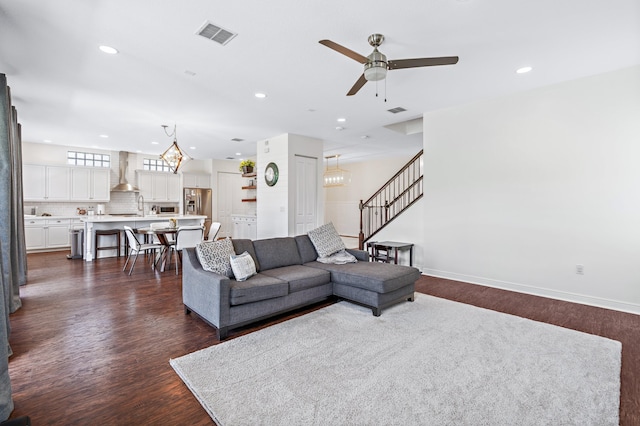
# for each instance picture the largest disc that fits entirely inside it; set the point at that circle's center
(580, 269)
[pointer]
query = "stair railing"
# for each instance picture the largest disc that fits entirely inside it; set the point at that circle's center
(394, 197)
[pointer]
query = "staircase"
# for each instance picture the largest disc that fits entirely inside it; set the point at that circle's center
(395, 196)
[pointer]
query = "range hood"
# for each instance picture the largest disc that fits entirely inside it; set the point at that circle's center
(123, 185)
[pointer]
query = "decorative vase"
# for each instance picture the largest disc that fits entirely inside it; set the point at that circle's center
(247, 169)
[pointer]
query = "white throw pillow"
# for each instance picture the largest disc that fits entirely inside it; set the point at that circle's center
(326, 240)
(339, 258)
(214, 256)
(243, 266)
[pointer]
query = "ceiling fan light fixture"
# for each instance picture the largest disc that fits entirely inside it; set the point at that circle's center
(375, 71)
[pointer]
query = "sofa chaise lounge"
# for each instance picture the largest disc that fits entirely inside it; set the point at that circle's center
(288, 277)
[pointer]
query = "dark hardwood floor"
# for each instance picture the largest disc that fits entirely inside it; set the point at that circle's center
(92, 344)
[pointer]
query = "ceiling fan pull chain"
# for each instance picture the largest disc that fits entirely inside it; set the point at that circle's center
(385, 90)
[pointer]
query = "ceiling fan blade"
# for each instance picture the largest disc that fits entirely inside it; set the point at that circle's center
(347, 52)
(421, 62)
(361, 81)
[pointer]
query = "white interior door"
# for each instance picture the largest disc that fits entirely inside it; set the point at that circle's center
(306, 214)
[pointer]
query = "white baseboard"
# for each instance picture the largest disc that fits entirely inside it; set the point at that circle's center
(538, 291)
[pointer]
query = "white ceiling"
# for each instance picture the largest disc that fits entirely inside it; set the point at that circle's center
(69, 92)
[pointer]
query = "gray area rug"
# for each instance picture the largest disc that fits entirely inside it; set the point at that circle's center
(430, 362)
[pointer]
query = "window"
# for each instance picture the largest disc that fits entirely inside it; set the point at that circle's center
(88, 159)
(155, 165)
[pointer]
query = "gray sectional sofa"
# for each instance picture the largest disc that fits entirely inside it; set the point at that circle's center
(288, 277)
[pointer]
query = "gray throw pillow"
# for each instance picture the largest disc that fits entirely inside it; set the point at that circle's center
(214, 256)
(243, 266)
(326, 240)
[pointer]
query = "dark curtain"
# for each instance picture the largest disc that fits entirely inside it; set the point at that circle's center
(13, 255)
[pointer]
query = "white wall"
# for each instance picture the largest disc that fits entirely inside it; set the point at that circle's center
(276, 204)
(273, 201)
(519, 190)
(342, 202)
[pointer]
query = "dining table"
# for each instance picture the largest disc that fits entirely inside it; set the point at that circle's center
(164, 237)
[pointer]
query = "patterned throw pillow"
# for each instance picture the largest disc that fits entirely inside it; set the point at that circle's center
(214, 256)
(243, 266)
(326, 240)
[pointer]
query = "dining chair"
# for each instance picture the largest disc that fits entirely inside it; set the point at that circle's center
(161, 225)
(135, 247)
(186, 237)
(213, 231)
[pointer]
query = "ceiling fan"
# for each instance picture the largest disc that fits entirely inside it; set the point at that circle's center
(376, 64)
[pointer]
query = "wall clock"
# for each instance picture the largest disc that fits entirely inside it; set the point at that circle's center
(271, 174)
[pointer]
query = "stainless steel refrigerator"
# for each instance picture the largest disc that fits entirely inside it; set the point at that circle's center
(197, 201)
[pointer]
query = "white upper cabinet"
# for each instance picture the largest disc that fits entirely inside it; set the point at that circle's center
(64, 183)
(159, 186)
(34, 182)
(57, 183)
(90, 184)
(45, 183)
(196, 180)
(173, 188)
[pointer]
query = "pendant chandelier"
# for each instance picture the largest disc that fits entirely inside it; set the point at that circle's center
(335, 176)
(174, 156)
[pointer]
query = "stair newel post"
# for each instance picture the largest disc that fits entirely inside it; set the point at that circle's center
(361, 234)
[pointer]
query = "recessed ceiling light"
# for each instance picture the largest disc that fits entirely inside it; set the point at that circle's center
(108, 49)
(238, 153)
(104, 136)
(192, 147)
(47, 140)
(154, 143)
(138, 150)
(523, 70)
(339, 128)
(260, 95)
(342, 120)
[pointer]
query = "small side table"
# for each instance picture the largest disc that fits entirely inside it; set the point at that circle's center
(387, 247)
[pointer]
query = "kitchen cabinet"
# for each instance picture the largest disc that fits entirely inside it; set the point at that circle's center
(174, 192)
(46, 234)
(159, 186)
(34, 234)
(196, 180)
(57, 183)
(90, 184)
(46, 183)
(244, 226)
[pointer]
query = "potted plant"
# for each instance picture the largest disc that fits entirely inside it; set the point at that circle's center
(246, 166)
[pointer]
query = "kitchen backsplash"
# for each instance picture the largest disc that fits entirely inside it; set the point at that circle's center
(121, 202)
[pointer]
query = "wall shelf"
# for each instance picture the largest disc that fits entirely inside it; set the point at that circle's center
(249, 200)
(249, 175)
(250, 187)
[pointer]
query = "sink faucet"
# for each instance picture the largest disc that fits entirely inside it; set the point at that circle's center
(141, 204)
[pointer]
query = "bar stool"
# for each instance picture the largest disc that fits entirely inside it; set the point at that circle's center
(104, 233)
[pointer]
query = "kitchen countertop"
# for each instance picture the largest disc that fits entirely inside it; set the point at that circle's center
(31, 217)
(134, 218)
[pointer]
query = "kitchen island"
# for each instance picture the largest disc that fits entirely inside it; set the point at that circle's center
(101, 222)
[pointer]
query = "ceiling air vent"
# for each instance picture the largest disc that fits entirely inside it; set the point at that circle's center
(237, 140)
(215, 33)
(396, 110)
